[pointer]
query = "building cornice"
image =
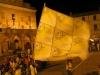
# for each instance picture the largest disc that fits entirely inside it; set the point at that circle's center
(86, 13)
(17, 7)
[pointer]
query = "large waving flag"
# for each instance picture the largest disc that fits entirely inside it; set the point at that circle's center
(60, 37)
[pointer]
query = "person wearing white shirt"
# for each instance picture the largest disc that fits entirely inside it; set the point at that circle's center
(33, 69)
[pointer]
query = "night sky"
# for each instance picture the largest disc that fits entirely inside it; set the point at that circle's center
(65, 6)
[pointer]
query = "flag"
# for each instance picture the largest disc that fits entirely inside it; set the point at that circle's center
(60, 37)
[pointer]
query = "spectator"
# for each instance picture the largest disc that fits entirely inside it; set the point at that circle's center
(23, 68)
(98, 46)
(32, 68)
(17, 71)
(2, 70)
(7, 71)
(69, 67)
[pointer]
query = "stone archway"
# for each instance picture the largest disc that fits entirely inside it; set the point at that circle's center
(26, 39)
(18, 43)
(27, 42)
(5, 44)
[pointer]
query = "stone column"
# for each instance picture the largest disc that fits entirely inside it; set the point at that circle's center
(11, 43)
(32, 45)
(22, 41)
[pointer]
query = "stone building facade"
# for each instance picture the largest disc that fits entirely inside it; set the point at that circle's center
(17, 25)
(93, 18)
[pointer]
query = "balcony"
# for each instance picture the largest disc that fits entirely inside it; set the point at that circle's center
(17, 31)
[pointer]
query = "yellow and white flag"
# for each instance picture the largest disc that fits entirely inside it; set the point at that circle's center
(60, 37)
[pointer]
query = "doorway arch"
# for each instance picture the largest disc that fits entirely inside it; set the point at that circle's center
(18, 43)
(5, 44)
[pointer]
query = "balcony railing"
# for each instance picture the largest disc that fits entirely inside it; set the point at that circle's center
(7, 30)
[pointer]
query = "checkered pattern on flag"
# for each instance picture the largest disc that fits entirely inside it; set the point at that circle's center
(60, 37)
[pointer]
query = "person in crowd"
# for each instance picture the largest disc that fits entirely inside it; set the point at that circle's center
(98, 46)
(29, 50)
(93, 48)
(15, 64)
(2, 70)
(7, 71)
(27, 61)
(6, 61)
(23, 68)
(36, 65)
(17, 59)
(22, 54)
(17, 71)
(11, 62)
(69, 67)
(33, 68)
(19, 65)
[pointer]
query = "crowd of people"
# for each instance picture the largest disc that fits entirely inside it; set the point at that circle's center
(21, 64)
(94, 46)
